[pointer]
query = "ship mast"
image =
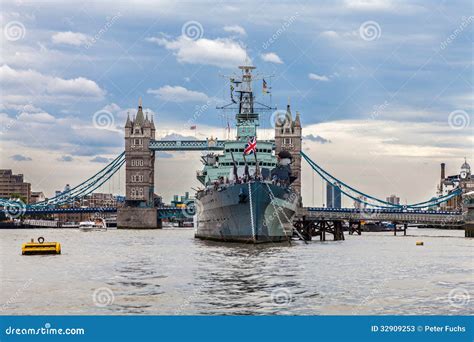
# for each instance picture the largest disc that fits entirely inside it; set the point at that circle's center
(247, 120)
(246, 94)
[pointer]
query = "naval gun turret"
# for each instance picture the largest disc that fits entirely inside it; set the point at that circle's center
(282, 172)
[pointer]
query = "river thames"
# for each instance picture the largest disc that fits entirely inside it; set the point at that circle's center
(168, 272)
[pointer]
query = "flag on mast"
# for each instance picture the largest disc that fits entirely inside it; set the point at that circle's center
(251, 146)
(264, 86)
(232, 93)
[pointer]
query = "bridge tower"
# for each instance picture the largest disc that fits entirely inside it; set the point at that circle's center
(140, 161)
(139, 211)
(288, 136)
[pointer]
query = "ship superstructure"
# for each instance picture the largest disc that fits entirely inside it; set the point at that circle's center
(216, 166)
(248, 194)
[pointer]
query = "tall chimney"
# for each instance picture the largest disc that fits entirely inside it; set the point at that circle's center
(443, 175)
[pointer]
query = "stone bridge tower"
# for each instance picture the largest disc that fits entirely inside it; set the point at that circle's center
(139, 211)
(288, 136)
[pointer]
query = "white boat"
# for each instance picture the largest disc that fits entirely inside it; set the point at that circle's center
(97, 224)
(69, 225)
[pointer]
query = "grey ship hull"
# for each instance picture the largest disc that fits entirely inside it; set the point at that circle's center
(254, 212)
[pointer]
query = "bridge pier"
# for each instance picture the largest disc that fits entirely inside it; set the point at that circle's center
(469, 218)
(357, 229)
(138, 218)
(319, 227)
(469, 230)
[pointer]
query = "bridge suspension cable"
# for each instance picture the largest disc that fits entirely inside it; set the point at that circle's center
(371, 200)
(79, 191)
(85, 187)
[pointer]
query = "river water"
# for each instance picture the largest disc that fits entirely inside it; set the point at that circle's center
(168, 272)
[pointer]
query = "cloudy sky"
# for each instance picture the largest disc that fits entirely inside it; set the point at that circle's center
(384, 88)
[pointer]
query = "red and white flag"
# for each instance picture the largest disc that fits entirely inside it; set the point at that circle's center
(251, 146)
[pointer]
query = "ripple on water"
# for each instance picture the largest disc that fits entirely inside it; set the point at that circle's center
(169, 272)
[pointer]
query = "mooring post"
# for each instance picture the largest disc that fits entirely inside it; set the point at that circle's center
(339, 234)
(320, 226)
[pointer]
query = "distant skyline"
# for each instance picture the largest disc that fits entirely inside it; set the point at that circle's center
(384, 88)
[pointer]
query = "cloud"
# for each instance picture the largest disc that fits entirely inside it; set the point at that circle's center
(329, 34)
(178, 94)
(66, 135)
(29, 108)
(23, 85)
(370, 5)
(38, 56)
(220, 52)
(37, 117)
(177, 136)
(65, 159)
(271, 57)
(19, 157)
(316, 138)
(99, 159)
(235, 29)
(398, 7)
(316, 77)
(71, 38)
(112, 107)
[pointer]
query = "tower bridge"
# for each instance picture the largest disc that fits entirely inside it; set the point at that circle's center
(140, 211)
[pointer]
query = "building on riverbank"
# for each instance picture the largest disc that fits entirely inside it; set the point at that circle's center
(12, 185)
(464, 180)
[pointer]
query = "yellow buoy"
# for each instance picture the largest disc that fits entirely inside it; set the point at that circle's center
(40, 247)
(419, 243)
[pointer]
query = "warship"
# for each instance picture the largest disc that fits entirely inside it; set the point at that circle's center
(248, 193)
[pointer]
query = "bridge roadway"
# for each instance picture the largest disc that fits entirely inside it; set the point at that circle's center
(190, 145)
(186, 145)
(163, 212)
(315, 213)
(390, 215)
